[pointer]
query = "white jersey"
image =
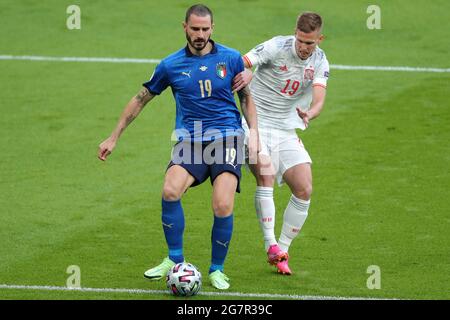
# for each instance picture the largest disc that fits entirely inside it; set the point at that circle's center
(282, 81)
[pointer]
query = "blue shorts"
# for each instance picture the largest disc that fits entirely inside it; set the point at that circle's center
(210, 159)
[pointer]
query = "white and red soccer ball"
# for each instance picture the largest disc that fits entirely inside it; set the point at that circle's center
(184, 279)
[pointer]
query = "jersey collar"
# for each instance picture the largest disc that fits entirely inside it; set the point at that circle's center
(190, 54)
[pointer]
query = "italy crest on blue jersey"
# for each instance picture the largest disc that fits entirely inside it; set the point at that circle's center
(221, 70)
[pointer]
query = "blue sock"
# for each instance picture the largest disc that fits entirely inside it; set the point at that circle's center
(173, 226)
(220, 240)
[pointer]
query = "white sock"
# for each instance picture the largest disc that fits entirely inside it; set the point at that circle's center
(294, 217)
(265, 211)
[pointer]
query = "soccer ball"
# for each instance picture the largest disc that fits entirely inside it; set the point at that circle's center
(184, 279)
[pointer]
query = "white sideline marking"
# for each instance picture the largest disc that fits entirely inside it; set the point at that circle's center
(79, 59)
(155, 61)
(165, 292)
(386, 68)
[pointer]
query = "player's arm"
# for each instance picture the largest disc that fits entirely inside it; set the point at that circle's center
(249, 111)
(318, 101)
(243, 79)
(131, 111)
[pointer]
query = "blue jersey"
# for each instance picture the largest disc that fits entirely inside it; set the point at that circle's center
(201, 86)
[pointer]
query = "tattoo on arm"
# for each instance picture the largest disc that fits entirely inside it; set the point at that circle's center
(143, 95)
(142, 98)
(129, 119)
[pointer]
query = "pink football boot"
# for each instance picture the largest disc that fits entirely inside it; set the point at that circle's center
(275, 255)
(283, 267)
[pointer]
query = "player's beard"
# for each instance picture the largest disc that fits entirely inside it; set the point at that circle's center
(198, 44)
(304, 55)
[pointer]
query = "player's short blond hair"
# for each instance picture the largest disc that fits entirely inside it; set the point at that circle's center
(309, 21)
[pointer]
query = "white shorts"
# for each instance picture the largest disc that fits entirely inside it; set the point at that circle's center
(284, 148)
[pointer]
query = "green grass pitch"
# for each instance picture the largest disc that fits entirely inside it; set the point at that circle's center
(380, 148)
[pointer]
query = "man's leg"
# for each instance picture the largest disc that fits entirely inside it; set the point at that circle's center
(264, 174)
(295, 167)
(176, 182)
(299, 179)
(224, 188)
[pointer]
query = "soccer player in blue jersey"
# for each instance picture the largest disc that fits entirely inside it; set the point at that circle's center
(209, 132)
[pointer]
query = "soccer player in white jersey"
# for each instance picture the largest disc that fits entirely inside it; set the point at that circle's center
(289, 88)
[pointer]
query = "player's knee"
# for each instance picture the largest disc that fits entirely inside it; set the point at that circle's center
(265, 180)
(171, 193)
(304, 192)
(222, 208)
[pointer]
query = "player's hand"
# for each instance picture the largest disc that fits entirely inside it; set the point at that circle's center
(254, 146)
(242, 79)
(105, 148)
(304, 115)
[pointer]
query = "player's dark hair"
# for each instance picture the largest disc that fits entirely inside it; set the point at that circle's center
(309, 21)
(199, 10)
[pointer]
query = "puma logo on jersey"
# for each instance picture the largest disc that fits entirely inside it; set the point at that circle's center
(188, 74)
(232, 164)
(222, 243)
(284, 68)
(168, 225)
